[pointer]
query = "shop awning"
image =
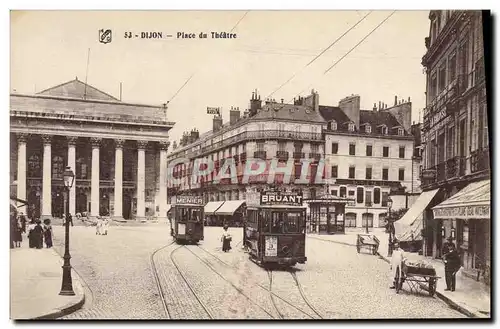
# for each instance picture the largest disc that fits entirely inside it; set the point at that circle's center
(229, 207)
(212, 206)
(411, 222)
(472, 202)
(15, 201)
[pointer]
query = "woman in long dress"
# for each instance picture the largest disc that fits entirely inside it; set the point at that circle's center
(31, 236)
(226, 240)
(37, 234)
(98, 228)
(47, 233)
(104, 227)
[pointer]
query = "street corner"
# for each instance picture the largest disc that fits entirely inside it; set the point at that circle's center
(70, 305)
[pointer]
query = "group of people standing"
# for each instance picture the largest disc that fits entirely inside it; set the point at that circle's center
(102, 226)
(36, 232)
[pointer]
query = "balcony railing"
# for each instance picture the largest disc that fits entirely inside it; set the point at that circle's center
(282, 155)
(298, 155)
(260, 155)
(480, 160)
(315, 156)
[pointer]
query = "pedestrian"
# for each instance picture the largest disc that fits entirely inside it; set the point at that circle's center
(451, 267)
(18, 233)
(37, 235)
(70, 219)
(31, 236)
(226, 240)
(23, 222)
(104, 226)
(98, 227)
(448, 245)
(397, 259)
(47, 233)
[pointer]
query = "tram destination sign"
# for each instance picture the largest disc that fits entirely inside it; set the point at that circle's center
(268, 198)
(188, 199)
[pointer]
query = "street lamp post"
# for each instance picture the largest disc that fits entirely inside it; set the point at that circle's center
(67, 282)
(391, 228)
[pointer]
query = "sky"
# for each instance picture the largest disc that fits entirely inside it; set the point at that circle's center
(51, 47)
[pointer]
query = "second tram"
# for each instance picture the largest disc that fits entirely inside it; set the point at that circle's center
(187, 219)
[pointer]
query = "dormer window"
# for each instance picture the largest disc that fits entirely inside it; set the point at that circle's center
(333, 125)
(383, 130)
(351, 126)
(368, 129)
(401, 132)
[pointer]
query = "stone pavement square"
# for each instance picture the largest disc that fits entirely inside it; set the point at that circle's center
(470, 295)
(35, 282)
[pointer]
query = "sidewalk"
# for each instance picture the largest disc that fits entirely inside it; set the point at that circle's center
(471, 298)
(35, 282)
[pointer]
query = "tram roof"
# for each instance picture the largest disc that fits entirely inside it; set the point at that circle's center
(277, 206)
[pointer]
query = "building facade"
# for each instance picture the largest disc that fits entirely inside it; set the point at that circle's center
(266, 131)
(369, 156)
(117, 150)
(455, 138)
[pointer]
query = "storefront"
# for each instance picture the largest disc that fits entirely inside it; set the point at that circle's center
(210, 218)
(231, 212)
(408, 229)
(467, 220)
(327, 214)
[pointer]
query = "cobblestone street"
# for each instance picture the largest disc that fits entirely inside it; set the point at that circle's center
(202, 282)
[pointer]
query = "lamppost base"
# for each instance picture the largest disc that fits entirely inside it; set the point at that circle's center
(67, 293)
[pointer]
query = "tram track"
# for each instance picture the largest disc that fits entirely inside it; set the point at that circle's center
(238, 289)
(270, 275)
(157, 279)
(274, 295)
(301, 291)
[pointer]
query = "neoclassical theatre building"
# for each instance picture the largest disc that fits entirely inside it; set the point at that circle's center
(117, 150)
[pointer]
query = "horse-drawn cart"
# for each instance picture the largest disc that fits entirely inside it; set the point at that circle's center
(367, 241)
(418, 276)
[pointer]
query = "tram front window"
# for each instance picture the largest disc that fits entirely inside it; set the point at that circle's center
(195, 215)
(283, 223)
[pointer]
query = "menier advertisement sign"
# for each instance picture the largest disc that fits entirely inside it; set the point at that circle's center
(188, 199)
(268, 198)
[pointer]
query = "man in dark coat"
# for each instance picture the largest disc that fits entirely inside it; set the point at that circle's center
(451, 267)
(447, 246)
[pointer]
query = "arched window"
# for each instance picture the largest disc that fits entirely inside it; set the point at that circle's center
(57, 167)
(350, 219)
(34, 168)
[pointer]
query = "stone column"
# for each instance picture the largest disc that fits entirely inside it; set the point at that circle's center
(118, 215)
(47, 178)
(21, 166)
(94, 186)
(141, 180)
(72, 164)
(162, 198)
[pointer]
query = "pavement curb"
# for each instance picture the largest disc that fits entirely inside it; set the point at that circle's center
(70, 307)
(447, 300)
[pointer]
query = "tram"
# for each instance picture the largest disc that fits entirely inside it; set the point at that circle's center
(187, 219)
(275, 229)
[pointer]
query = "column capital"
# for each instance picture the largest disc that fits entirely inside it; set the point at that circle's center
(142, 144)
(119, 143)
(164, 146)
(95, 141)
(47, 139)
(72, 140)
(22, 137)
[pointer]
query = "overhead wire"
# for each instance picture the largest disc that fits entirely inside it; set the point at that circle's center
(321, 53)
(351, 50)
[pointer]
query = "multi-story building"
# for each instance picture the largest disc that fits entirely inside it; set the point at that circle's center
(456, 164)
(369, 156)
(266, 131)
(117, 150)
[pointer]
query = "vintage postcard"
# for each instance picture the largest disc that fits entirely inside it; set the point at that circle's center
(250, 165)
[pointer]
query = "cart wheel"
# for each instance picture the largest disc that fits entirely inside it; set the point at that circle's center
(432, 286)
(398, 283)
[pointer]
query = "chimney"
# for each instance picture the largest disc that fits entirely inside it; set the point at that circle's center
(351, 107)
(234, 115)
(395, 100)
(195, 135)
(255, 103)
(409, 99)
(312, 101)
(217, 123)
(374, 106)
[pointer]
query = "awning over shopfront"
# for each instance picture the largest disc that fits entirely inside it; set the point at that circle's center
(229, 207)
(18, 202)
(472, 202)
(212, 206)
(410, 225)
